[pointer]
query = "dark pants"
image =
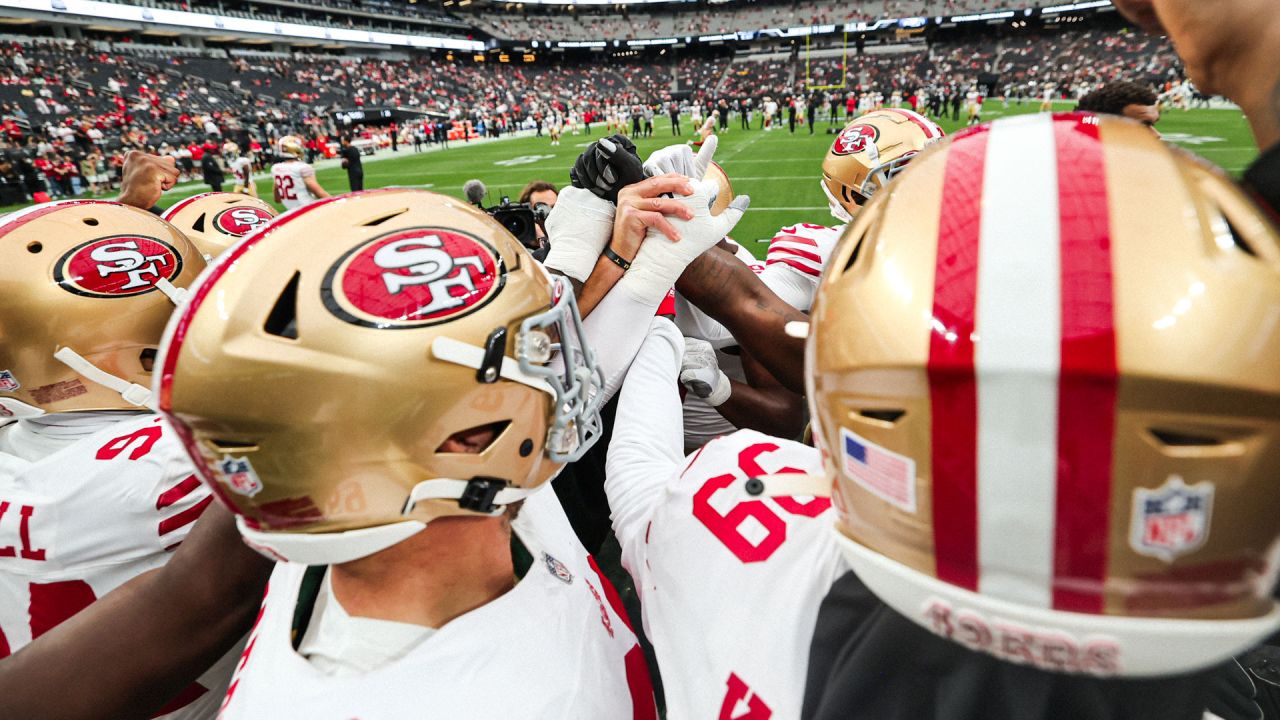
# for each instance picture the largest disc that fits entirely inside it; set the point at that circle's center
(675, 124)
(216, 185)
(356, 179)
(746, 120)
(791, 122)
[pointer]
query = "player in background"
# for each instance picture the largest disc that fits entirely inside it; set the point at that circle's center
(241, 169)
(973, 105)
(294, 180)
(94, 489)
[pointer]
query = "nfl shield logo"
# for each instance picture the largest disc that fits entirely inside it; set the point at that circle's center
(239, 476)
(557, 568)
(8, 383)
(1171, 520)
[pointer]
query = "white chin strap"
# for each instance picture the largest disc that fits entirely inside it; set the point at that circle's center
(133, 393)
(472, 356)
(176, 295)
(449, 489)
(335, 548)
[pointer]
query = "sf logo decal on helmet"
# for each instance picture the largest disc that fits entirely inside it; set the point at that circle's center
(117, 266)
(855, 139)
(413, 278)
(240, 221)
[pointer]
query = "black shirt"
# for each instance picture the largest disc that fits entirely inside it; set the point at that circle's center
(352, 155)
(1263, 180)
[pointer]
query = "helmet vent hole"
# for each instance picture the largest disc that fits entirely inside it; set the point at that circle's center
(231, 446)
(283, 320)
(35, 247)
(383, 218)
(1174, 438)
(887, 416)
(198, 225)
(853, 257)
(91, 222)
(1239, 240)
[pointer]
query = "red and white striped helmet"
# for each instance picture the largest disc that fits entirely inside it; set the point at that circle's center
(1044, 372)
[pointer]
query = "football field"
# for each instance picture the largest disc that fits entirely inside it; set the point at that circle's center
(780, 171)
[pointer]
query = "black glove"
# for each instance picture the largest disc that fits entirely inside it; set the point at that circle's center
(1232, 693)
(607, 166)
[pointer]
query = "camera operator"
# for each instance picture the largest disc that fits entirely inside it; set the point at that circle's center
(539, 192)
(350, 155)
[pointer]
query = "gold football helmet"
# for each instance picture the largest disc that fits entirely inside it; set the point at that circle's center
(868, 152)
(216, 220)
(291, 146)
(86, 288)
(322, 364)
(1050, 406)
(230, 149)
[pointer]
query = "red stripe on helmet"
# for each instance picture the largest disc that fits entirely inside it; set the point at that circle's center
(1087, 380)
(931, 130)
(22, 217)
(177, 207)
(953, 392)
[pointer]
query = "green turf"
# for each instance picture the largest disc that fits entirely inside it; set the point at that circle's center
(779, 170)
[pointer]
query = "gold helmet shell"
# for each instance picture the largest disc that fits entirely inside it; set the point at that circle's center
(1044, 372)
(86, 287)
(217, 220)
(291, 146)
(323, 362)
(868, 152)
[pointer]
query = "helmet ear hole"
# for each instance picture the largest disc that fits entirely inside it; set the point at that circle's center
(474, 440)
(147, 359)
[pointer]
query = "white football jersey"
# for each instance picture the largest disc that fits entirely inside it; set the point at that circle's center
(558, 645)
(730, 586)
(290, 178)
(796, 258)
(91, 514)
(242, 168)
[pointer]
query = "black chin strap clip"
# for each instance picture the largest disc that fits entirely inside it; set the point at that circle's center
(495, 348)
(479, 495)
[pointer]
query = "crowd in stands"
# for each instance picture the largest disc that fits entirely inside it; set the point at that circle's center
(69, 111)
(532, 23)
